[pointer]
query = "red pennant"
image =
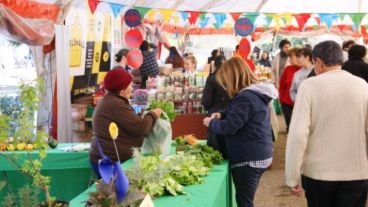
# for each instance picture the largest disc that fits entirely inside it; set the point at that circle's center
(193, 16)
(302, 20)
(93, 5)
(235, 16)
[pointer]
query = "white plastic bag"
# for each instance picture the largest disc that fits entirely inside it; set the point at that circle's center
(158, 140)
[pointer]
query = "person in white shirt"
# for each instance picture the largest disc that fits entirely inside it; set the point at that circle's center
(327, 142)
(305, 60)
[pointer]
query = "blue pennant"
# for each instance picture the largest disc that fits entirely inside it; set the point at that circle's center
(116, 8)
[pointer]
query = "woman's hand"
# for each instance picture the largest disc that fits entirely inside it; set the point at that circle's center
(206, 121)
(216, 115)
(157, 112)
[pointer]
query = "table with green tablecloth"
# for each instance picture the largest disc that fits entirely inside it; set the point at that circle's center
(70, 171)
(216, 191)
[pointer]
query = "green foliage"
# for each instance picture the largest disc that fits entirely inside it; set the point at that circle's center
(26, 197)
(9, 201)
(4, 127)
(30, 96)
(205, 153)
(167, 107)
(11, 107)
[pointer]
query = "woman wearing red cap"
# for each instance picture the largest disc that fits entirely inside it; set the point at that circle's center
(115, 107)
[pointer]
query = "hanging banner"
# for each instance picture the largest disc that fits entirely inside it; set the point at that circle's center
(244, 48)
(243, 27)
(116, 8)
(133, 38)
(132, 18)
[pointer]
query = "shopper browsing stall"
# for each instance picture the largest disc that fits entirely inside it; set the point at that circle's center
(121, 60)
(246, 126)
(115, 107)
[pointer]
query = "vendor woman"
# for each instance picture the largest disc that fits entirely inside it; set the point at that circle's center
(115, 107)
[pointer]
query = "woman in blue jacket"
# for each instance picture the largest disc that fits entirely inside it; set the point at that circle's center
(246, 126)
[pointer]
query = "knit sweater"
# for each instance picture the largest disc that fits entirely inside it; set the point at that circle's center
(328, 132)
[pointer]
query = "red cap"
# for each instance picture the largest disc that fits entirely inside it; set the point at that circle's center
(117, 80)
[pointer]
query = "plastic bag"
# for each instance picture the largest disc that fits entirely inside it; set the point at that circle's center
(158, 140)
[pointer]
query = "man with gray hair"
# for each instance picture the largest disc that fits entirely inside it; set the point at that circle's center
(327, 142)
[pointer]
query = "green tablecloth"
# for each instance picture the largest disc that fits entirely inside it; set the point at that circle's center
(70, 172)
(215, 192)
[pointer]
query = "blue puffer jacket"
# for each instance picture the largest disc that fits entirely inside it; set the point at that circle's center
(246, 124)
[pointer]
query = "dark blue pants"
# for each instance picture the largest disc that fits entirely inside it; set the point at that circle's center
(321, 193)
(246, 181)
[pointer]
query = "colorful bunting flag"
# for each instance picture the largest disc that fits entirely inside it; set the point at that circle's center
(302, 19)
(166, 14)
(328, 19)
(357, 19)
(193, 16)
(142, 11)
(287, 18)
(235, 16)
(150, 15)
(116, 8)
(277, 19)
(220, 18)
(93, 5)
(184, 15)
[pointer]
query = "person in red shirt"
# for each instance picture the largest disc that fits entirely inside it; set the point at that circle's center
(285, 84)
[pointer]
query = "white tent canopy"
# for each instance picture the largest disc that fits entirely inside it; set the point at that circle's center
(265, 6)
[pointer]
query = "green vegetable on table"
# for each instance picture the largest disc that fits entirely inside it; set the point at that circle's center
(167, 107)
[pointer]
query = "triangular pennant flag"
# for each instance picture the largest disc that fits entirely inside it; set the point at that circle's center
(184, 15)
(252, 16)
(193, 16)
(204, 22)
(328, 19)
(269, 18)
(116, 8)
(288, 18)
(235, 16)
(220, 18)
(93, 5)
(341, 15)
(142, 11)
(150, 15)
(357, 18)
(302, 19)
(166, 14)
(277, 19)
(202, 16)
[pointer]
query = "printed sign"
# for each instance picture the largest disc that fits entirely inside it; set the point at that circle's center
(243, 27)
(132, 18)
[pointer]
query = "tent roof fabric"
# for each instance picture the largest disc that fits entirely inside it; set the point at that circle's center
(264, 6)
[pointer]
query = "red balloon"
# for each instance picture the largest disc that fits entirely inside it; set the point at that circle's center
(244, 47)
(135, 58)
(133, 38)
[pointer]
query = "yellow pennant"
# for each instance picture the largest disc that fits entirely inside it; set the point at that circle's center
(166, 14)
(151, 15)
(277, 19)
(288, 18)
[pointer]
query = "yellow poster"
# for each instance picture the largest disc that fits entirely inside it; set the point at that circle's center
(75, 43)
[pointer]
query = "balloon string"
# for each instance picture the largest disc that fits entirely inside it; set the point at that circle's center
(116, 150)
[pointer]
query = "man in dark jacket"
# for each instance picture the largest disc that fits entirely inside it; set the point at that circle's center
(149, 67)
(355, 65)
